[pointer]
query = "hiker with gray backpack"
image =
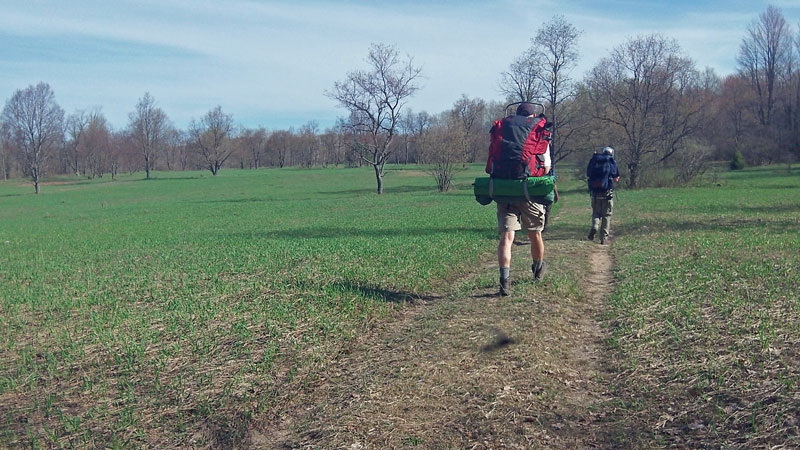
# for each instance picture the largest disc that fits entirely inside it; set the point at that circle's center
(602, 173)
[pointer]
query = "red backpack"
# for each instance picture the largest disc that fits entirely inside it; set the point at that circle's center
(517, 147)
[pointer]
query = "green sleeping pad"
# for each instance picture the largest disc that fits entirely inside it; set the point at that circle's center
(540, 190)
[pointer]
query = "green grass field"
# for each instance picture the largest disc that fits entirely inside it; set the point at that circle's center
(706, 311)
(136, 311)
(171, 312)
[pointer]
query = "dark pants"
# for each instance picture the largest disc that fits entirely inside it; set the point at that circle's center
(602, 209)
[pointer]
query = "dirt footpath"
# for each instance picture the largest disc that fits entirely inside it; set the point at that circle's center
(470, 369)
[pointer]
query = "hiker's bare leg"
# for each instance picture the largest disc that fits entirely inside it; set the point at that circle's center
(537, 245)
(504, 249)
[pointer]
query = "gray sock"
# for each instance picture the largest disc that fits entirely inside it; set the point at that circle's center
(504, 272)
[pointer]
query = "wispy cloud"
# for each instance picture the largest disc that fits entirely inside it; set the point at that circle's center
(269, 62)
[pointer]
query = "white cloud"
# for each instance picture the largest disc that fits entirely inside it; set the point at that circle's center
(265, 59)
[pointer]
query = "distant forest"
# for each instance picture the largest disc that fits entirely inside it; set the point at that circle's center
(645, 98)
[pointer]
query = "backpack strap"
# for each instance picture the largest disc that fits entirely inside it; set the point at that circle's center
(525, 190)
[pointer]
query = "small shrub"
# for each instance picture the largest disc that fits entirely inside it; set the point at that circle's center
(738, 163)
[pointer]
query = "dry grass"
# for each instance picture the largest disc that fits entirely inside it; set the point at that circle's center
(469, 370)
(706, 316)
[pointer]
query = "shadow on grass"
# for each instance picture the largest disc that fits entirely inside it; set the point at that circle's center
(387, 295)
(77, 182)
(761, 172)
(295, 199)
(486, 295)
(765, 209)
(778, 186)
(171, 178)
(333, 233)
(501, 340)
(460, 193)
(735, 225)
(554, 232)
(241, 200)
(566, 232)
(621, 428)
(386, 190)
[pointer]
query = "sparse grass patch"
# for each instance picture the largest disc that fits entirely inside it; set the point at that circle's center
(706, 311)
(469, 370)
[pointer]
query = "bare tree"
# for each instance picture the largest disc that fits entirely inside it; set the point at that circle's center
(734, 100)
(95, 144)
(788, 105)
(375, 100)
(75, 127)
(585, 132)
(469, 116)
(255, 145)
(118, 141)
(645, 92)
(494, 109)
(557, 46)
(35, 126)
(148, 125)
(333, 144)
(541, 74)
(176, 155)
(308, 144)
(522, 82)
(794, 117)
(279, 145)
(764, 57)
(211, 138)
(87, 136)
(446, 155)
(5, 163)
(418, 126)
(406, 128)
(730, 120)
(125, 153)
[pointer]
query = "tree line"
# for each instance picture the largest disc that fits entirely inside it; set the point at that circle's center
(646, 99)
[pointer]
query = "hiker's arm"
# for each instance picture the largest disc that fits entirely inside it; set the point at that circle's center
(547, 163)
(494, 147)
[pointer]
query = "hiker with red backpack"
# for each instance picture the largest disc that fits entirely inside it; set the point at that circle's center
(602, 173)
(518, 149)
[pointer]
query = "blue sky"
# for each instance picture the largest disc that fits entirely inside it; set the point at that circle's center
(268, 62)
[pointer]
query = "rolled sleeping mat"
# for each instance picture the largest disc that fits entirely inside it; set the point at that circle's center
(534, 189)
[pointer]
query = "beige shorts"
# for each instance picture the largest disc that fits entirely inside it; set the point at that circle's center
(509, 216)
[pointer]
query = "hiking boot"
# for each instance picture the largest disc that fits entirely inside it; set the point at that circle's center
(591, 234)
(504, 287)
(603, 240)
(538, 270)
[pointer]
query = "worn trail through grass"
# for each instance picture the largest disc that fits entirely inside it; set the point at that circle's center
(204, 312)
(468, 369)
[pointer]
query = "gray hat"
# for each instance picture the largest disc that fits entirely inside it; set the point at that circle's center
(608, 150)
